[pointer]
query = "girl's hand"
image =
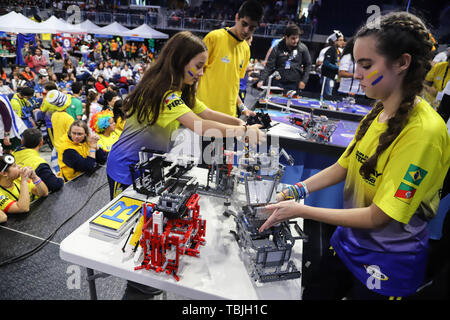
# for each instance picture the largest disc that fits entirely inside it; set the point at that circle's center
(280, 197)
(25, 173)
(92, 140)
(255, 135)
(279, 212)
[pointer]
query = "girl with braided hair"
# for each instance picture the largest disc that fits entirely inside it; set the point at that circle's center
(393, 171)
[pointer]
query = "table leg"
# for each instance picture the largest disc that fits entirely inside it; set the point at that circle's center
(91, 282)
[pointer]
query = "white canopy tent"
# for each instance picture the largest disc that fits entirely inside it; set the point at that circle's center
(87, 26)
(59, 26)
(145, 31)
(114, 28)
(18, 23)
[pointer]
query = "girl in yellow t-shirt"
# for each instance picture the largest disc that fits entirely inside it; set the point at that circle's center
(103, 124)
(18, 187)
(164, 99)
(393, 171)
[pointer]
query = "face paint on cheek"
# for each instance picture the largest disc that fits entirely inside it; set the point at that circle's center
(372, 74)
(377, 79)
(192, 72)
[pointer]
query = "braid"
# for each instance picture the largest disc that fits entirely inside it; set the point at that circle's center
(399, 33)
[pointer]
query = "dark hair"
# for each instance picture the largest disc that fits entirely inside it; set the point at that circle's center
(4, 164)
(58, 56)
(92, 94)
(117, 110)
(77, 87)
(31, 138)
(292, 30)
(50, 85)
(349, 47)
(108, 96)
(165, 76)
(26, 91)
(399, 33)
(252, 9)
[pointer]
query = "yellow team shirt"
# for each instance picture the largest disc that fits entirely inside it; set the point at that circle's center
(61, 122)
(106, 142)
(18, 103)
(28, 158)
(9, 196)
(228, 58)
(438, 76)
(409, 173)
(120, 124)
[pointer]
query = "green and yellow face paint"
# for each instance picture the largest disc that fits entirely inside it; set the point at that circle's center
(378, 79)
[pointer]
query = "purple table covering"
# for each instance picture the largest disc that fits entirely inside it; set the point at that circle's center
(342, 136)
(314, 103)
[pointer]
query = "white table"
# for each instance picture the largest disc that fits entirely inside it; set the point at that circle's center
(218, 273)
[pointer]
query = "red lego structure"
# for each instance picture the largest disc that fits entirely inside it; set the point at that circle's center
(164, 243)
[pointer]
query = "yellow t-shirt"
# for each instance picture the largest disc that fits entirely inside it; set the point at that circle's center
(409, 173)
(61, 122)
(159, 136)
(28, 158)
(439, 76)
(227, 62)
(120, 124)
(8, 196)
(106, 142)
(18, 103)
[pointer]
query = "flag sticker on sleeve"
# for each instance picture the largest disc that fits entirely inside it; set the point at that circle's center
(405, 193)
(415, 174)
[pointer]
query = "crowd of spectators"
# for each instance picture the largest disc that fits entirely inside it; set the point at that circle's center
(54, 88)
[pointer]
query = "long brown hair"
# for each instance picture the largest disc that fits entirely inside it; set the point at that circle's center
(164, 76)
(91, 96)
(399, 33)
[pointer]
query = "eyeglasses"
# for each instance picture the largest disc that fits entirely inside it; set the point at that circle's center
(9, 160)
(78, 134)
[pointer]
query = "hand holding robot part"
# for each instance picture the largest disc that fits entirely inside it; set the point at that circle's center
(254, 135)
(280, 212)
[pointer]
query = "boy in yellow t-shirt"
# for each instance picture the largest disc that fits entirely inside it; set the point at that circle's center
(57, 103)
(435, 82)
(228, 57)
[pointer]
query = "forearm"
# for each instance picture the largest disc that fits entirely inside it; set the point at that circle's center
(211, 128)
(220, 117)
(24, 197)
(345, 74)
(40, 188)
(330, 176)
(362, 218)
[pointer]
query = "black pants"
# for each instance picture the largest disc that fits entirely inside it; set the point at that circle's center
(115, 188)
(333, 281)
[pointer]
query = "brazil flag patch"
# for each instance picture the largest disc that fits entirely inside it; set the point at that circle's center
(405, 193)
(415, 174)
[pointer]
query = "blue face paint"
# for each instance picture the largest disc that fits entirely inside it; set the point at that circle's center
(192, 72)
(377, 80)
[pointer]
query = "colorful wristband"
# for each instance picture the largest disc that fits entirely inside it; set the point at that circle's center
(37, 182)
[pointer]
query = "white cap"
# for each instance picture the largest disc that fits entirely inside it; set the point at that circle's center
(43, 72)
(56, 98)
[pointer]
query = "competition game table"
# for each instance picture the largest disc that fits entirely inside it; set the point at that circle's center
(332, 109)
(310, 157)
(218, 273)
